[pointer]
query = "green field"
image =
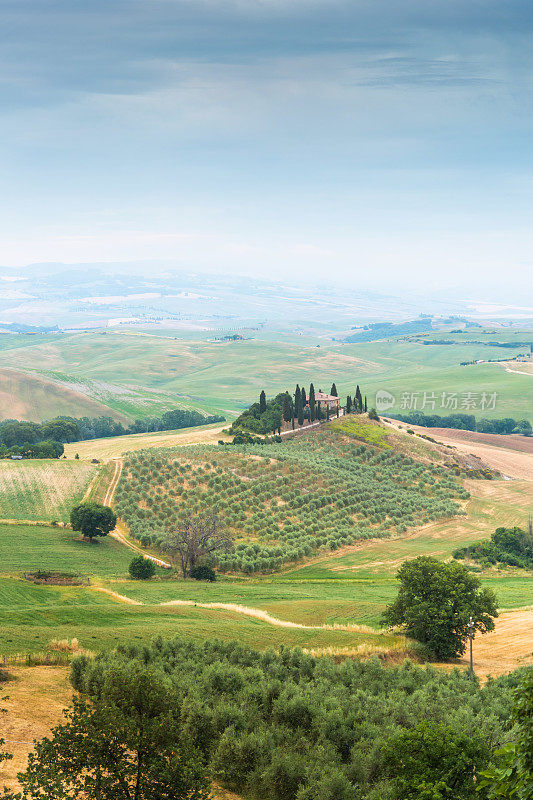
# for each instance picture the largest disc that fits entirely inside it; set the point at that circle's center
(31, 547)
(42, 489)
(139, 375)
(269, 496)
(336, 589)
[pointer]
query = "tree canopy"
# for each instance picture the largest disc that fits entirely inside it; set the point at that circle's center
(433, 761)
(141, 568)
(93, 519)
(195, 538)
(121, 742)
(435, 602)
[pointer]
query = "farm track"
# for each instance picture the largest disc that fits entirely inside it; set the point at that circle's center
(118, 533)
(120, 597)
(264, 616)
(108, 498)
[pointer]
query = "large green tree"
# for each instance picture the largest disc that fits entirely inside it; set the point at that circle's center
(123, 743)
(262, 402)
(435, 602)
(93, 519)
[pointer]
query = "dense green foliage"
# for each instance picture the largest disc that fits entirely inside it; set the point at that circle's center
(70, 429)
(37, 450)
(203, 573)
(123, 742)
(93, 519)
(435, 602)
(511, 777)
(283, 502)
(433, 761)
(141, 568)
(511, 546)
(466, 422)
(262, 417)
(291, 727)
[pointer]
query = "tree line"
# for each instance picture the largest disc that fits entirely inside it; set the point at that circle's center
(466, 422)
(510, 546)
(17, 433)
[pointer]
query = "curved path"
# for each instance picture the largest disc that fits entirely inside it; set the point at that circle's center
(118, 533)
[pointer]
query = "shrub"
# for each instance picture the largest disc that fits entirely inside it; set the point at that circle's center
(141, 568)
(203, 573)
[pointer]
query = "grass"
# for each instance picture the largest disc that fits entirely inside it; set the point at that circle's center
(348, 587)
(363, 430)
(42, 489)
(24, 548)
(117, 446)
(31, 616)
(35, 398)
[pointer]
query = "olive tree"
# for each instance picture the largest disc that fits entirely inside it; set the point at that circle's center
(195, 538)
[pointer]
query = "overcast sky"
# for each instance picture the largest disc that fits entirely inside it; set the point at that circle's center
(369, 141)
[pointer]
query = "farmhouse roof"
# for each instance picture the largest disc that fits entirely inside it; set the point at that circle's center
(325, 398)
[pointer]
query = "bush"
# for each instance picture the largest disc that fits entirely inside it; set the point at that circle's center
(141, 568)
(203, 573)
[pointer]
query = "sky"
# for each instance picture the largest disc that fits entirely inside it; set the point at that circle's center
(375, 142)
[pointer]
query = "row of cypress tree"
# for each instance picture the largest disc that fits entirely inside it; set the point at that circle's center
(294, 406)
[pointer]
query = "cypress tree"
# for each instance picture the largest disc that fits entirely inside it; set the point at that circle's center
(300, 412)
(318, 411)
(348, 405)
(311, 403)
(304, 398)
(287, 407)
(262, 402)
(358, 400)
(327, 412)
(297, 398)
(334, 390)
(366, 407)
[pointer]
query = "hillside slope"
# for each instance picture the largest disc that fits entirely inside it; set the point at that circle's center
(34, 398)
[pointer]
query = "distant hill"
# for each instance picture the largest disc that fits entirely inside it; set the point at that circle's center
(385, 330)
(33, 398)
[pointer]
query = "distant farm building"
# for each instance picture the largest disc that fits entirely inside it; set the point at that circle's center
(327, 401)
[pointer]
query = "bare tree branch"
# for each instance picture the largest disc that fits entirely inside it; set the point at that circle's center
(197, 537)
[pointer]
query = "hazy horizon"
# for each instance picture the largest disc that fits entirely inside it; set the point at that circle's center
(388, 148)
